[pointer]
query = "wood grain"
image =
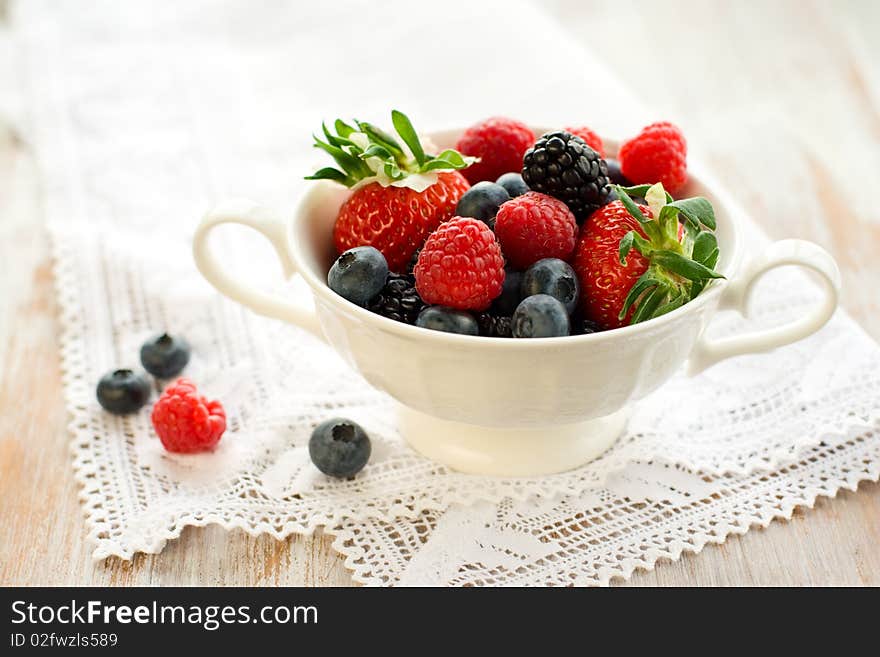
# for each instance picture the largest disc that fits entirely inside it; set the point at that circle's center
(781, 98)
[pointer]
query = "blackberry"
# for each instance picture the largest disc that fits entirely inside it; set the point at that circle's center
(411, 265)
(398, 299)
(580, 326)
(563, 165)
(494, 326)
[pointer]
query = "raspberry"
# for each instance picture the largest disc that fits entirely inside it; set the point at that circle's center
(657, 154)
(187, 422)
(535, 226)
(593, 140)
(500, 144)
(460, 266)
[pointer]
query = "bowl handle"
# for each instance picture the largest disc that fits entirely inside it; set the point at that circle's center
(737, 294)
(247, 213)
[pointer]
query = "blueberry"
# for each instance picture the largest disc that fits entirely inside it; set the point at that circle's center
(510, 295)
(513, 183)
(358, 274)
(481, 201)
(164, 356)
(554, 277)
(439, 318)
(339, 447)
(123, 392)
(614, 173)
(540, 316)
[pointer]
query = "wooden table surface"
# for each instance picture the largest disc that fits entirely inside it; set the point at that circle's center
(783, 101)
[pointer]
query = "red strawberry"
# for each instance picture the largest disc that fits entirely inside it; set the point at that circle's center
(633, 269)
(604, 281)
(403, 193)
(593, 140)
(500, 143)
(396, 220)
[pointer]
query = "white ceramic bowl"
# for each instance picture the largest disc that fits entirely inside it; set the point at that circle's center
(507, 406)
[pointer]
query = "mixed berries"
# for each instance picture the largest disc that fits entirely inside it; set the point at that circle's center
(509, 235)
(184, 421)
(514, 234)
(187, 422)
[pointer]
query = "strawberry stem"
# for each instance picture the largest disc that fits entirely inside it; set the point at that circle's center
(679, 267)
(364, 152)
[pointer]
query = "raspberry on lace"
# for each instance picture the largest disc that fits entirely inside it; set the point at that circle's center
(185, 421)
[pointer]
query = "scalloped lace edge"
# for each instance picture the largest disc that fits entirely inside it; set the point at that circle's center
(360, 572)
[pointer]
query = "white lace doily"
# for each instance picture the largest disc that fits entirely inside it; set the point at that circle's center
(142, 119)
(645, 512)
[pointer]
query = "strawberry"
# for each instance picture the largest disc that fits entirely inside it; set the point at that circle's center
(396, 220)
(604, 281)
(636, 262)
(401, 195)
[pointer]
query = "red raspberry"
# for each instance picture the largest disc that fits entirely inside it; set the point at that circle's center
(593, 140)
(460, 266)
(657, 154)
(187, 422)
(500, 144)
(535, 226)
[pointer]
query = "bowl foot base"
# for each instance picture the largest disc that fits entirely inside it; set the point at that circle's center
(509, 452)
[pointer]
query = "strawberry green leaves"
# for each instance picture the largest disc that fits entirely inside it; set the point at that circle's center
(683, 266)
(697, 211)
(364, 151)
(630, 240)
(679, 268)
(406, 131)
